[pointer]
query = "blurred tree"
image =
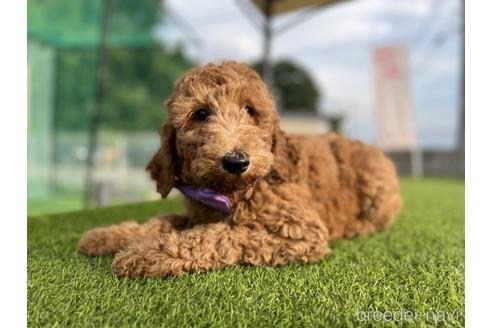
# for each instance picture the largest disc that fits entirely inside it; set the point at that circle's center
(294, 86)
(139, 81)
(76, 78)
(136, 92)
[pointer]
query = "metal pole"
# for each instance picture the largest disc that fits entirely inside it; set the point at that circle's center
(461, 133)
(53, 179)
(460, 149)
(266, 70)
(102, 76)
(416, 162)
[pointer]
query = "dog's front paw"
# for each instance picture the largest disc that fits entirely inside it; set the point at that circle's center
(129, 263)
(108, 240)
(97, 242)
(152, 258)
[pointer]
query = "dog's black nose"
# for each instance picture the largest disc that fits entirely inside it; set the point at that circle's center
(236, 162)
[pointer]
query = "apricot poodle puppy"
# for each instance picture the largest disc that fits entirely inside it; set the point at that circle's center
(254, 194)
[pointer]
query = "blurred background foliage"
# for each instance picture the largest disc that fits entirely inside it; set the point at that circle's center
(136, 92)
(294, 87)
(139, 80)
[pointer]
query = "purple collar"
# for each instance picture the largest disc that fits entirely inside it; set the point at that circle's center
(206, 196)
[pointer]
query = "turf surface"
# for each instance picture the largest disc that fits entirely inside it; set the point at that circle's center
(417, 266)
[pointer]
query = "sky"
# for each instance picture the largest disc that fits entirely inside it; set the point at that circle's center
(334, 45)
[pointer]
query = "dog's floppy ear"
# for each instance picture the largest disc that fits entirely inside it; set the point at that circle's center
(162, 166)
(285, 154)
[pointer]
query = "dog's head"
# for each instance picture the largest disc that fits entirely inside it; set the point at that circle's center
(220, 131)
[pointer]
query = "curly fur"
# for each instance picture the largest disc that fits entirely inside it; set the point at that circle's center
(298, 193)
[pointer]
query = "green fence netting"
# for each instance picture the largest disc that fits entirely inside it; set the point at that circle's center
(63, 41)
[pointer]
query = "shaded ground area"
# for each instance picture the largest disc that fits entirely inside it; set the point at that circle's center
(55, 203)
(415, 267)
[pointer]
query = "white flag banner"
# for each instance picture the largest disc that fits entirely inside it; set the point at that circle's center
(393, 98)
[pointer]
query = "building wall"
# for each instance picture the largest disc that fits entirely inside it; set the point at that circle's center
(436, 163)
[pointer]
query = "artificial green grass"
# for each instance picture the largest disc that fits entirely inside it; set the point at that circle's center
(416, 265)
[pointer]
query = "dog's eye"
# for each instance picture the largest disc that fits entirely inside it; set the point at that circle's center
(249, 110)
(201, 115)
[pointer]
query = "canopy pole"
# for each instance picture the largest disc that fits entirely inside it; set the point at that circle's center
(461, 118)
(266, 71)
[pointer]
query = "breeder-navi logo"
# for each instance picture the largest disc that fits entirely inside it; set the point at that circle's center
(403, 315)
